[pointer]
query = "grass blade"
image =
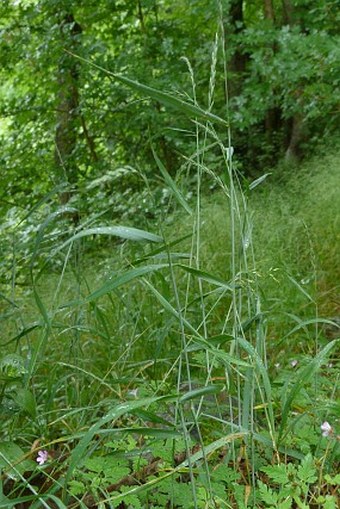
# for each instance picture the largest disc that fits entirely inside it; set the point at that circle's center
(189, 109)
(261, 368)
(221, 355)
(206, 276)
(202, 391)
(112, 284)
(171, 183)
(258, 181)
(303, 377)
(124, 232)
(311, 321)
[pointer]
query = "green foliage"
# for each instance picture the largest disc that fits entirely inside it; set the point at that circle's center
(184, 359)
(143, 47)
(301, 70)
(12, 367)
(13, 461)
(294, 484)
(286, 387)
(14, 396)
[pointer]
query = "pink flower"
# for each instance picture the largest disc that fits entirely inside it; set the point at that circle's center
(326, 429)
(42, 457)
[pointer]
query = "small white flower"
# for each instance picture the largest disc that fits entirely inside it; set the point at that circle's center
(42, 457)
(294, 363)
(326, 429)
(277, 365)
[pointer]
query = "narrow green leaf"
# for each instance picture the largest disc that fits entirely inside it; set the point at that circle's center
(312, 321)
(206, 276)
(188, 109)
(300, 288)
(154, 432)
(56, 500)
(221, 355)
(168, 307)
(114, 283)
(202, 391)
(286, 451)
(246, 325)
(124, 232)
(171, 183)
(6, 502)
(161, 249)
(40, 234)
(258, 181)
(23, 333)
(303, 376)
(43, 200)
(148, 416)
(3, 296)
(42, 308)
(265, 378)
(210, 448)
(220, 339)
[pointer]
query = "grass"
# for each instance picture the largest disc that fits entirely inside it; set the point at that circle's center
(164, 343)
(193, 369)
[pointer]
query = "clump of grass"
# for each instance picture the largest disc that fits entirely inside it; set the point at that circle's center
(295, 238)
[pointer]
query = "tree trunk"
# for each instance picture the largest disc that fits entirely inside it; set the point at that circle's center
(287, 12)
(234, 26)
(272, 122)
(269, 10)
(295, 126)
(67, 107)
(296, 132)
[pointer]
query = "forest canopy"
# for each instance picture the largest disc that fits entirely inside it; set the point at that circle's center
(66, 122)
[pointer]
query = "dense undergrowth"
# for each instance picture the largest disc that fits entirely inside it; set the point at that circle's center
(177, 371)
(184, 359)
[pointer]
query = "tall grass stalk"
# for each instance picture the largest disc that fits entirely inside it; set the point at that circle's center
(244, 306)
